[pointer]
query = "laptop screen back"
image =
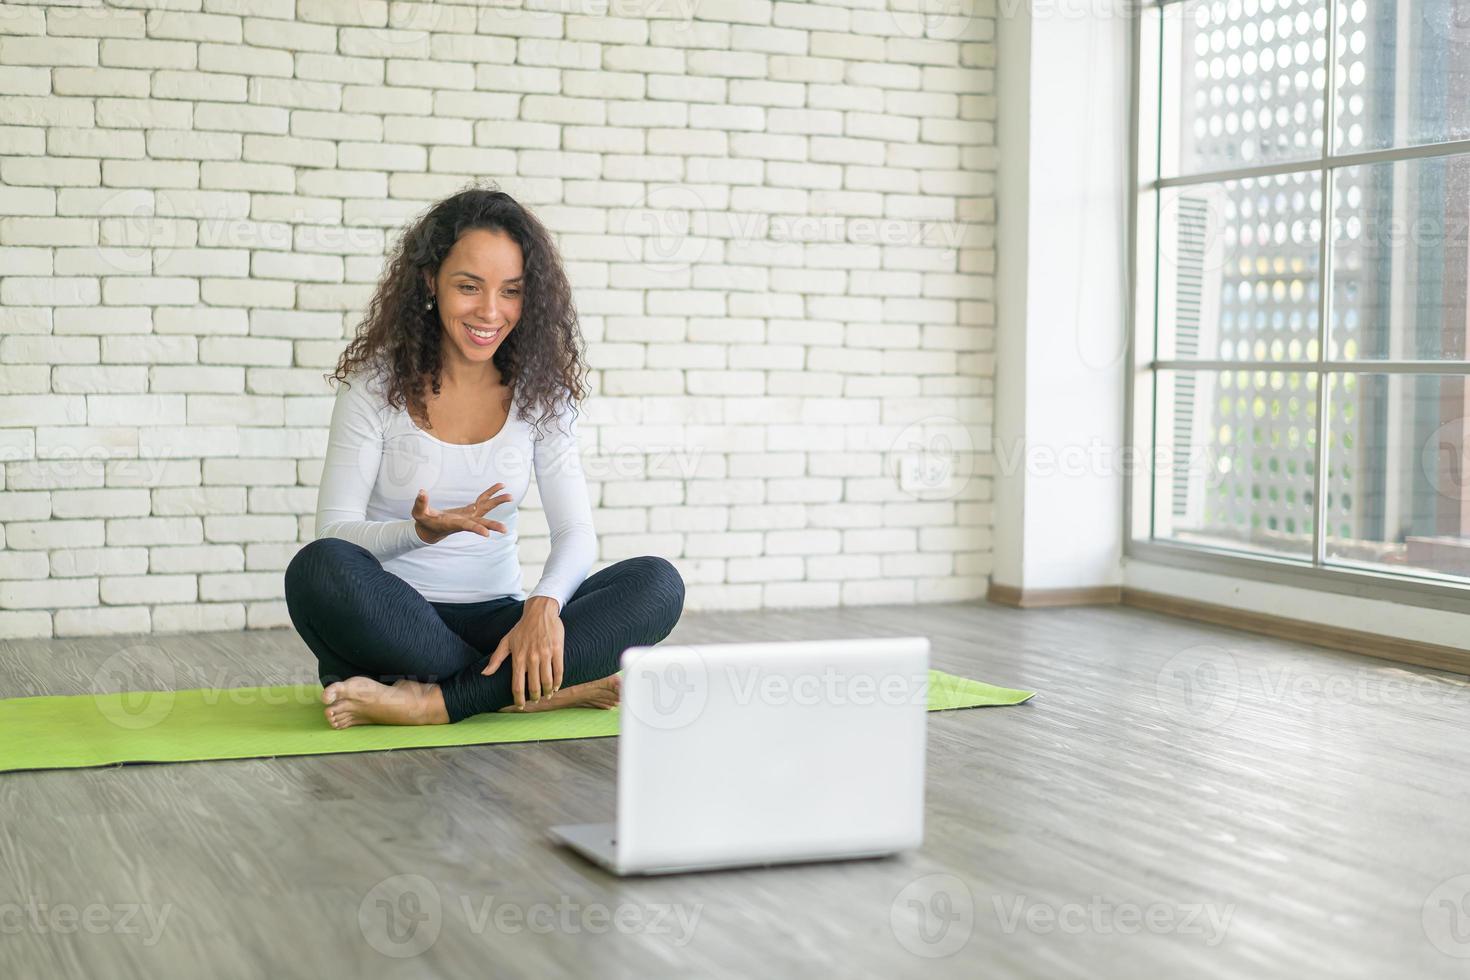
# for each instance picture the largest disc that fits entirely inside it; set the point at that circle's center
(754, 752)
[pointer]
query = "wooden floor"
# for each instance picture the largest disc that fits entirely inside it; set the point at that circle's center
(1178, 800)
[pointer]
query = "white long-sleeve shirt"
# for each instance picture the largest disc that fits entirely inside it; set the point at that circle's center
(377, 459)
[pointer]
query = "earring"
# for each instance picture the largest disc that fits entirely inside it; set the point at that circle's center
(430, 304)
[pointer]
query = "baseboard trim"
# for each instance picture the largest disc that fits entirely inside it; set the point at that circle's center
(1393, 648)
(1097, 595)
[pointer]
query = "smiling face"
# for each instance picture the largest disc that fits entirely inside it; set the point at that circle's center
(478, 293)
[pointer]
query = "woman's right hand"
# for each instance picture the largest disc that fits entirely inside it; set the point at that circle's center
(434, 526)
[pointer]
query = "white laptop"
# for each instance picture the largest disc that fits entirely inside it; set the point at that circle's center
(736, 754)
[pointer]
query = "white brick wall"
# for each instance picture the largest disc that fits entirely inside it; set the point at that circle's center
(777, 216)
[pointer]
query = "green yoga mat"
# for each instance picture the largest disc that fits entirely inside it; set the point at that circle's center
(77, 731)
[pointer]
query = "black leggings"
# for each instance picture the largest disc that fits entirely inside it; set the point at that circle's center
(361, 620)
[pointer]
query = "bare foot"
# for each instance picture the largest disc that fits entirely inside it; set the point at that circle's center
(602, 693)
(364, 701)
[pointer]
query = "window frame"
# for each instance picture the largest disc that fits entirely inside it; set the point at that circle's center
(1140, 410)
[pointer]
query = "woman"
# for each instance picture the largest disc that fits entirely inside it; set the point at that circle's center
(460, 383)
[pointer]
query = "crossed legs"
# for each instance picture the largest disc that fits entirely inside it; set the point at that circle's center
(387, 655)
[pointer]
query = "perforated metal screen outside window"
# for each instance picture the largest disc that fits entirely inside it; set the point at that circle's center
(1303, 270)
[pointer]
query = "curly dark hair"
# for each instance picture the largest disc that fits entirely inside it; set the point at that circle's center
(542, 361)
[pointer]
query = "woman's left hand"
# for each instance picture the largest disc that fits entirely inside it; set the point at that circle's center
(534, 646)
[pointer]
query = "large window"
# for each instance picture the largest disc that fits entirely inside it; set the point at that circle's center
(1301, 315)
